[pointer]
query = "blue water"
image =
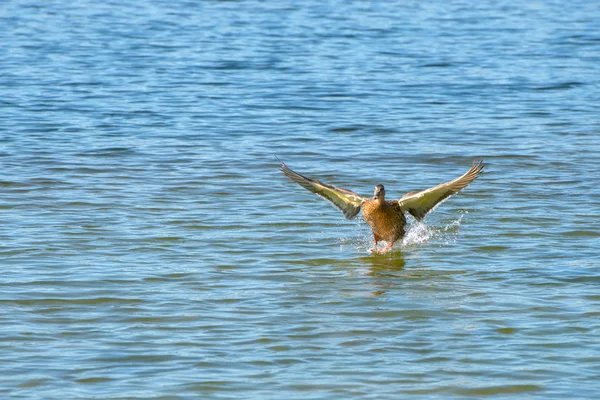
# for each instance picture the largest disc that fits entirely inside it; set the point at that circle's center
(150, 247)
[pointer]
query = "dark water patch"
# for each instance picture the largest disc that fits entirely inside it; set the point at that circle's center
(77, 204)
(537, 114)
(66, 302)
(437, 65)
(492, 248)
(581, 233)
(507, 331)
(32, 383)
(559, 86)
(166, 239)
(93, 380)
(346, 129)
(47, 182)
(108, 152)
(497, 390)
(9, 184)
(588, 279)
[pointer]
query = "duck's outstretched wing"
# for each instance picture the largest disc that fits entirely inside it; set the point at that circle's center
(346, 201)
(420, 203)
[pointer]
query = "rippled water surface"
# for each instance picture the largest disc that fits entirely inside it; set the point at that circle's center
(151, 248)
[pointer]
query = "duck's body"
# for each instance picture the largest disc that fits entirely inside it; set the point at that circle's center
(386, 218)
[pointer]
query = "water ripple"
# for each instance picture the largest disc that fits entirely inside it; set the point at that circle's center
(151, 248)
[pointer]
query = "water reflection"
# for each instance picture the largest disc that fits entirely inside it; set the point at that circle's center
(388, 271)
(388, 264)
(382, 267)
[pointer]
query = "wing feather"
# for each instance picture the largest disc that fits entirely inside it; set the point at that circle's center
(345, 200)
(418, 204)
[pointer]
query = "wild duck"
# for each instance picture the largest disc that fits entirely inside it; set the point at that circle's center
(386, 217)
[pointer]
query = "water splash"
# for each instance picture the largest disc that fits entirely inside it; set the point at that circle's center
(417, 234)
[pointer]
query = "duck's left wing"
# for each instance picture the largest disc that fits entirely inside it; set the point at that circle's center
(345, 200)
(418, 204)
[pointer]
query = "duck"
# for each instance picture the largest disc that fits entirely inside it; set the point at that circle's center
(386, 217)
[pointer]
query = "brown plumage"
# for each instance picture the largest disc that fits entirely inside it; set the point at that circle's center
(386, 217)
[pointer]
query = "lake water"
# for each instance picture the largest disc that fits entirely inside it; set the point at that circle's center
(150, 247)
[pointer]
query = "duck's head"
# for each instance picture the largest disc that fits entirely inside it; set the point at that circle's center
(379, 192)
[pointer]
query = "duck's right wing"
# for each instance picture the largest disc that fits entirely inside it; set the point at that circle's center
(345, 200)
(420, 203)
